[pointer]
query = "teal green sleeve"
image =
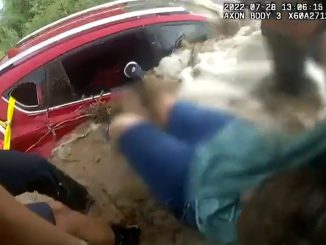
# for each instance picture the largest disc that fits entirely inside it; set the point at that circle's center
(236, 161)
(216, 219)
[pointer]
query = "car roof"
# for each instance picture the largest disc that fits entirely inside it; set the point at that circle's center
(86, 16)
(76, 17)
(81, 22)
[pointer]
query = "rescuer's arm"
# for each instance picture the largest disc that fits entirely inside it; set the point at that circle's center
(19, 226)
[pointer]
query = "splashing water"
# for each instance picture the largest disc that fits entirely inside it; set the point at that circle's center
(213, 79)
(229, 73)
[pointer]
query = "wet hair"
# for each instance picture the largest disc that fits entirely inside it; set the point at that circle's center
(314, 49)
(317, 39)
(287, 209)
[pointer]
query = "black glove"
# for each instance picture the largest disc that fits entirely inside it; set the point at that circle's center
(71, 193)
(129, 235)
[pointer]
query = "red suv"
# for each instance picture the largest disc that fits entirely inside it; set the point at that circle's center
(61, 69)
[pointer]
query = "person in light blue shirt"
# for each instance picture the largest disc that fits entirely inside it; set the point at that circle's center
(203, 163)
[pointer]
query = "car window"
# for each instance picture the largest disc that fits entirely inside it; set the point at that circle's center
(29, 92)
(59, 88)
(169, 34)
(96, 68)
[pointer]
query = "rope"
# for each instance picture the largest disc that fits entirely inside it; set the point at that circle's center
(7, 125)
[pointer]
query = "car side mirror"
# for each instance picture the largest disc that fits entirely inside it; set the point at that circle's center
(134, 71)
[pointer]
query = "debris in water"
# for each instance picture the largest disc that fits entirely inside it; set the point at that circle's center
(99, 112)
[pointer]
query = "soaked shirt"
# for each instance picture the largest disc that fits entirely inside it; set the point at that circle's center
(236, 161)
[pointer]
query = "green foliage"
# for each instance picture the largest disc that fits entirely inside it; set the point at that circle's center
(21, 17)
(47, 11)
(8, 37)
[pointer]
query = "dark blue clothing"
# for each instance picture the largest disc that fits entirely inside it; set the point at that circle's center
(162, 158)
(43, 210)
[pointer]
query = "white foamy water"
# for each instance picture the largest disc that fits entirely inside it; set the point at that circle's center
(226, 74)
(217, 78)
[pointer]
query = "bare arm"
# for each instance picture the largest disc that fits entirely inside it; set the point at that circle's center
(19, 226)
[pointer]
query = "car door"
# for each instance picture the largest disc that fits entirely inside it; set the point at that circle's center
(29, 124)
(69, 96)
